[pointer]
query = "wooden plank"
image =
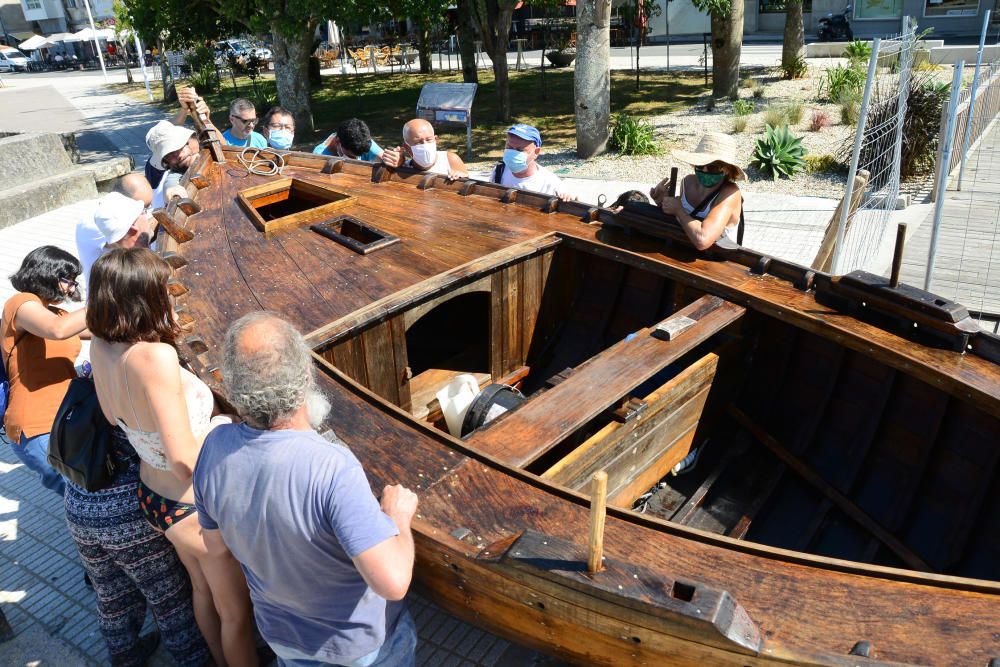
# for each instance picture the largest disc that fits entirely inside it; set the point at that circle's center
(843, 503)
(531, 300)
(525, 434)
(379, 364)
(512, 309)
(349, 357)
(688, 510)
(496, 324)
(401, 366)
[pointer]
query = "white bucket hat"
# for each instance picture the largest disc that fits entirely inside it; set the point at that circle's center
(115, 215)
(163, 138)
(713, 147)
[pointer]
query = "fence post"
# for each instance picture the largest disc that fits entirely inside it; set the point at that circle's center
(838, 249)
(972, 97)
(907, 44)
(942, 185)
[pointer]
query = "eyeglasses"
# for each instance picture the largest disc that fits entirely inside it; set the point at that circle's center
(249, 122)
(281, 126)
(70, 284)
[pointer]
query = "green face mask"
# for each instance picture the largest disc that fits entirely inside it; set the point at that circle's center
(708, 180)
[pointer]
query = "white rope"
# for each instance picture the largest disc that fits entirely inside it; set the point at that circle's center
(261, 161)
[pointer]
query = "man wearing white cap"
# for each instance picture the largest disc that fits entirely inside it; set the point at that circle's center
(90, 239)
(520, 168)
(122, 222)
(173, 148)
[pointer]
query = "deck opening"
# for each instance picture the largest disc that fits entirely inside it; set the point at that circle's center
(351, 233)
(290, 201)
(682, 591)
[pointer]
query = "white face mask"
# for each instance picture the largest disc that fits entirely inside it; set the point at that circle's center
(424, 154)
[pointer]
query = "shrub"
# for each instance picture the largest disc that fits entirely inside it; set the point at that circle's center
(840, 80)
(776, 115)
(739, 124)
(921, 126)
(747, 82)
(858, 52)
(744, 107)
(710, 104)
(632, 137)
(850, 107)
(823, 164)
(204, 77)
(796, 69)
(758, 90)
(820, 119)
(779, 153)
(794, 111)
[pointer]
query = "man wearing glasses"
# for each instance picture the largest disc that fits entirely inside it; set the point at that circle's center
(279, 128)
(242, 119)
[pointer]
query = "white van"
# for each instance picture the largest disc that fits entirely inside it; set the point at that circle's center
(12, 60)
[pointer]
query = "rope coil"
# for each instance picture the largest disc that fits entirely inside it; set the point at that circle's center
(262, 161)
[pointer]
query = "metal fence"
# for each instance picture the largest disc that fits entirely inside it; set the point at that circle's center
(862, 233)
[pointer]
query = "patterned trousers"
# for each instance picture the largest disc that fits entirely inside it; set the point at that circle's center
(132, 565)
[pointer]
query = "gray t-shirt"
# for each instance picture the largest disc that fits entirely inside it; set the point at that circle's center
(294, 508)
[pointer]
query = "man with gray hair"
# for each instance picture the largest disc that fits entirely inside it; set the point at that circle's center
(327, 564)
(242, 119)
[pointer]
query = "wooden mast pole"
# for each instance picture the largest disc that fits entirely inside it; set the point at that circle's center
(598, 509)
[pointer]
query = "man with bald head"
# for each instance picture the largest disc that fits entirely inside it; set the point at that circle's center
(419, 151)
(327, 564)
(94, 227)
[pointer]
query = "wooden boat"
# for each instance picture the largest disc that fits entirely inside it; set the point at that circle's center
(846, 508)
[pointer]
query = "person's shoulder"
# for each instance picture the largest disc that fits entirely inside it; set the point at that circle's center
(257, 140)
(375, 149)
(19, 299)
(153, 358)
(321, 148)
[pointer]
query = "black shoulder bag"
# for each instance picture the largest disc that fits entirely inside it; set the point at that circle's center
(80, 444)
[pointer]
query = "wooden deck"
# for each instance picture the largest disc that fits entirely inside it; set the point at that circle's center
(967, 269)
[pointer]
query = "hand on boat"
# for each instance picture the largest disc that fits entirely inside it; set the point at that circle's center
(393, 157)
(659, 191)
(400, 504)
(188, 97)
(671, 206)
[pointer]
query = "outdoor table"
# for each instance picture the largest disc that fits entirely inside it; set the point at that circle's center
(521, 62)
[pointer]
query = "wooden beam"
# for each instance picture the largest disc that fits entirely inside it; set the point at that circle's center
(843, 503)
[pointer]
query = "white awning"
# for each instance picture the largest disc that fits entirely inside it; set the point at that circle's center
(64, 37)
(36, 42)
(88, 34)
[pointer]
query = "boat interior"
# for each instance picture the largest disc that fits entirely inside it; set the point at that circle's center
(801, 443)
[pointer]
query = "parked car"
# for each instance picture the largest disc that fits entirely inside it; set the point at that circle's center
(242, 47)
(12, 60)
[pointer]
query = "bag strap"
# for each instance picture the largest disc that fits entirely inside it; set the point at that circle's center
(709, 198)
(739, 230)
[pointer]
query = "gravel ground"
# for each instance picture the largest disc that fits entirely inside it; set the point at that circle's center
(682, 130)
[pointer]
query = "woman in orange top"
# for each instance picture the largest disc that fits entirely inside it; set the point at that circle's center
(40, 344)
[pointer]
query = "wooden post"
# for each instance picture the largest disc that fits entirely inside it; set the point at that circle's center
(672, 185)
(598, 507)
(897, 256)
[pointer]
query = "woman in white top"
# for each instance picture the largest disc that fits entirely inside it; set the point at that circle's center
(165, 411)
(709, 204)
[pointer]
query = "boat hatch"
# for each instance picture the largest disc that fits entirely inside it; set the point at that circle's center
(291, 201)
(350, 232)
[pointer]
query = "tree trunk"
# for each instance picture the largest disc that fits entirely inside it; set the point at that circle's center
(467, 42)
(727, 38)
(291, 73)
(794, 45)
(592, 76)
(494, 17)
(424, 45)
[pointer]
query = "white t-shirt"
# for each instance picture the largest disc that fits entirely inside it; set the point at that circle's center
(542, 181)
(169, 180)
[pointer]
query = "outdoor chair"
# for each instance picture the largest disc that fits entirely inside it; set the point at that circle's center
(382, 56)
(359, 57)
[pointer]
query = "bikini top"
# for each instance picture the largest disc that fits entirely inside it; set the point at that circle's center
(149, 445)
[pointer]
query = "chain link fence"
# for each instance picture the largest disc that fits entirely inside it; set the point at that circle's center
(875, 157)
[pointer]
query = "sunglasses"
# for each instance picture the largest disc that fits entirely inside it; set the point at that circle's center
(250, 122)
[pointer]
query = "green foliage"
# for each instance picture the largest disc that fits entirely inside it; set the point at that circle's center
(796, 69)
(794, 111)
(717, 8)
(921, 126)
(740, 124)
(744, 107)
(632, 137)
(858, 52)
(850, 107)
(840, 80)
(823, 164)
(776, 115)
(779, 153)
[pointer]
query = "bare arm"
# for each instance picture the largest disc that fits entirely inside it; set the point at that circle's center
(456, 166)
(36, 319)
(387, 567)
(393, 157)
(704, 233)
(159, 372)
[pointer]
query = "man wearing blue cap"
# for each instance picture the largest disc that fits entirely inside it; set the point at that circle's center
(520, 168)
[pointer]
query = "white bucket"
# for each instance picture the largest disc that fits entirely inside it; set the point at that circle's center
(455, 399)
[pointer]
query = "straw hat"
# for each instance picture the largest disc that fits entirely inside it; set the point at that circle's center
(713, 147)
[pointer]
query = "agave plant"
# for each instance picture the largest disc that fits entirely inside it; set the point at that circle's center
(779, 153)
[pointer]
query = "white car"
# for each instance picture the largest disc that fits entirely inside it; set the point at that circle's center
(242, 47)
(12, 60)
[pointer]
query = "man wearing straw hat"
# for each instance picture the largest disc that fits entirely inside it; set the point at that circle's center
(709, 205)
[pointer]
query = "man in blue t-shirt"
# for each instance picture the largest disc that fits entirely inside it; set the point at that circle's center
(353, 140)
(242, 119)
(327, 564)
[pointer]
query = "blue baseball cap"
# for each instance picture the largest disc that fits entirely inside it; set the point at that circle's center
(526, 132)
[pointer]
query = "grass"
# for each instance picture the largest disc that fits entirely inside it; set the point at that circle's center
(386, 101)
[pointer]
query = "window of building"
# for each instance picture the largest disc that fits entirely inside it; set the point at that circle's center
(33, 4)
(878, 9)
(951, 7)
(778, 6)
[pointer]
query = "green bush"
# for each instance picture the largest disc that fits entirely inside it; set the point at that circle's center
(744, 107)
(204, 76)
(739, 124)
(840, 80)
(796, 69)
(850, 107)
(632, 137)
(823, 164)
(858, 53)
(779, 153)
(776, 115)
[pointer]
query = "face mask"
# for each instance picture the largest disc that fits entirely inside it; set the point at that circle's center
(515, 160)
(708, 180)
(424, 155)
(281, 139)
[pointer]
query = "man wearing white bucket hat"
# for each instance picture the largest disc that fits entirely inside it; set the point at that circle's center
(121, 222)
(709, 205)
(173, 149)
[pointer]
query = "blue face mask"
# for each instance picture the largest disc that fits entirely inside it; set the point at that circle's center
(515, 160)
(281, 139)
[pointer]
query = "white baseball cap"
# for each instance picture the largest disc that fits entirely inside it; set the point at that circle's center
(115, 215)
(163, 138)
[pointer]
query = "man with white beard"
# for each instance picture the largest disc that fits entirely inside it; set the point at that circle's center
(326, 563)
